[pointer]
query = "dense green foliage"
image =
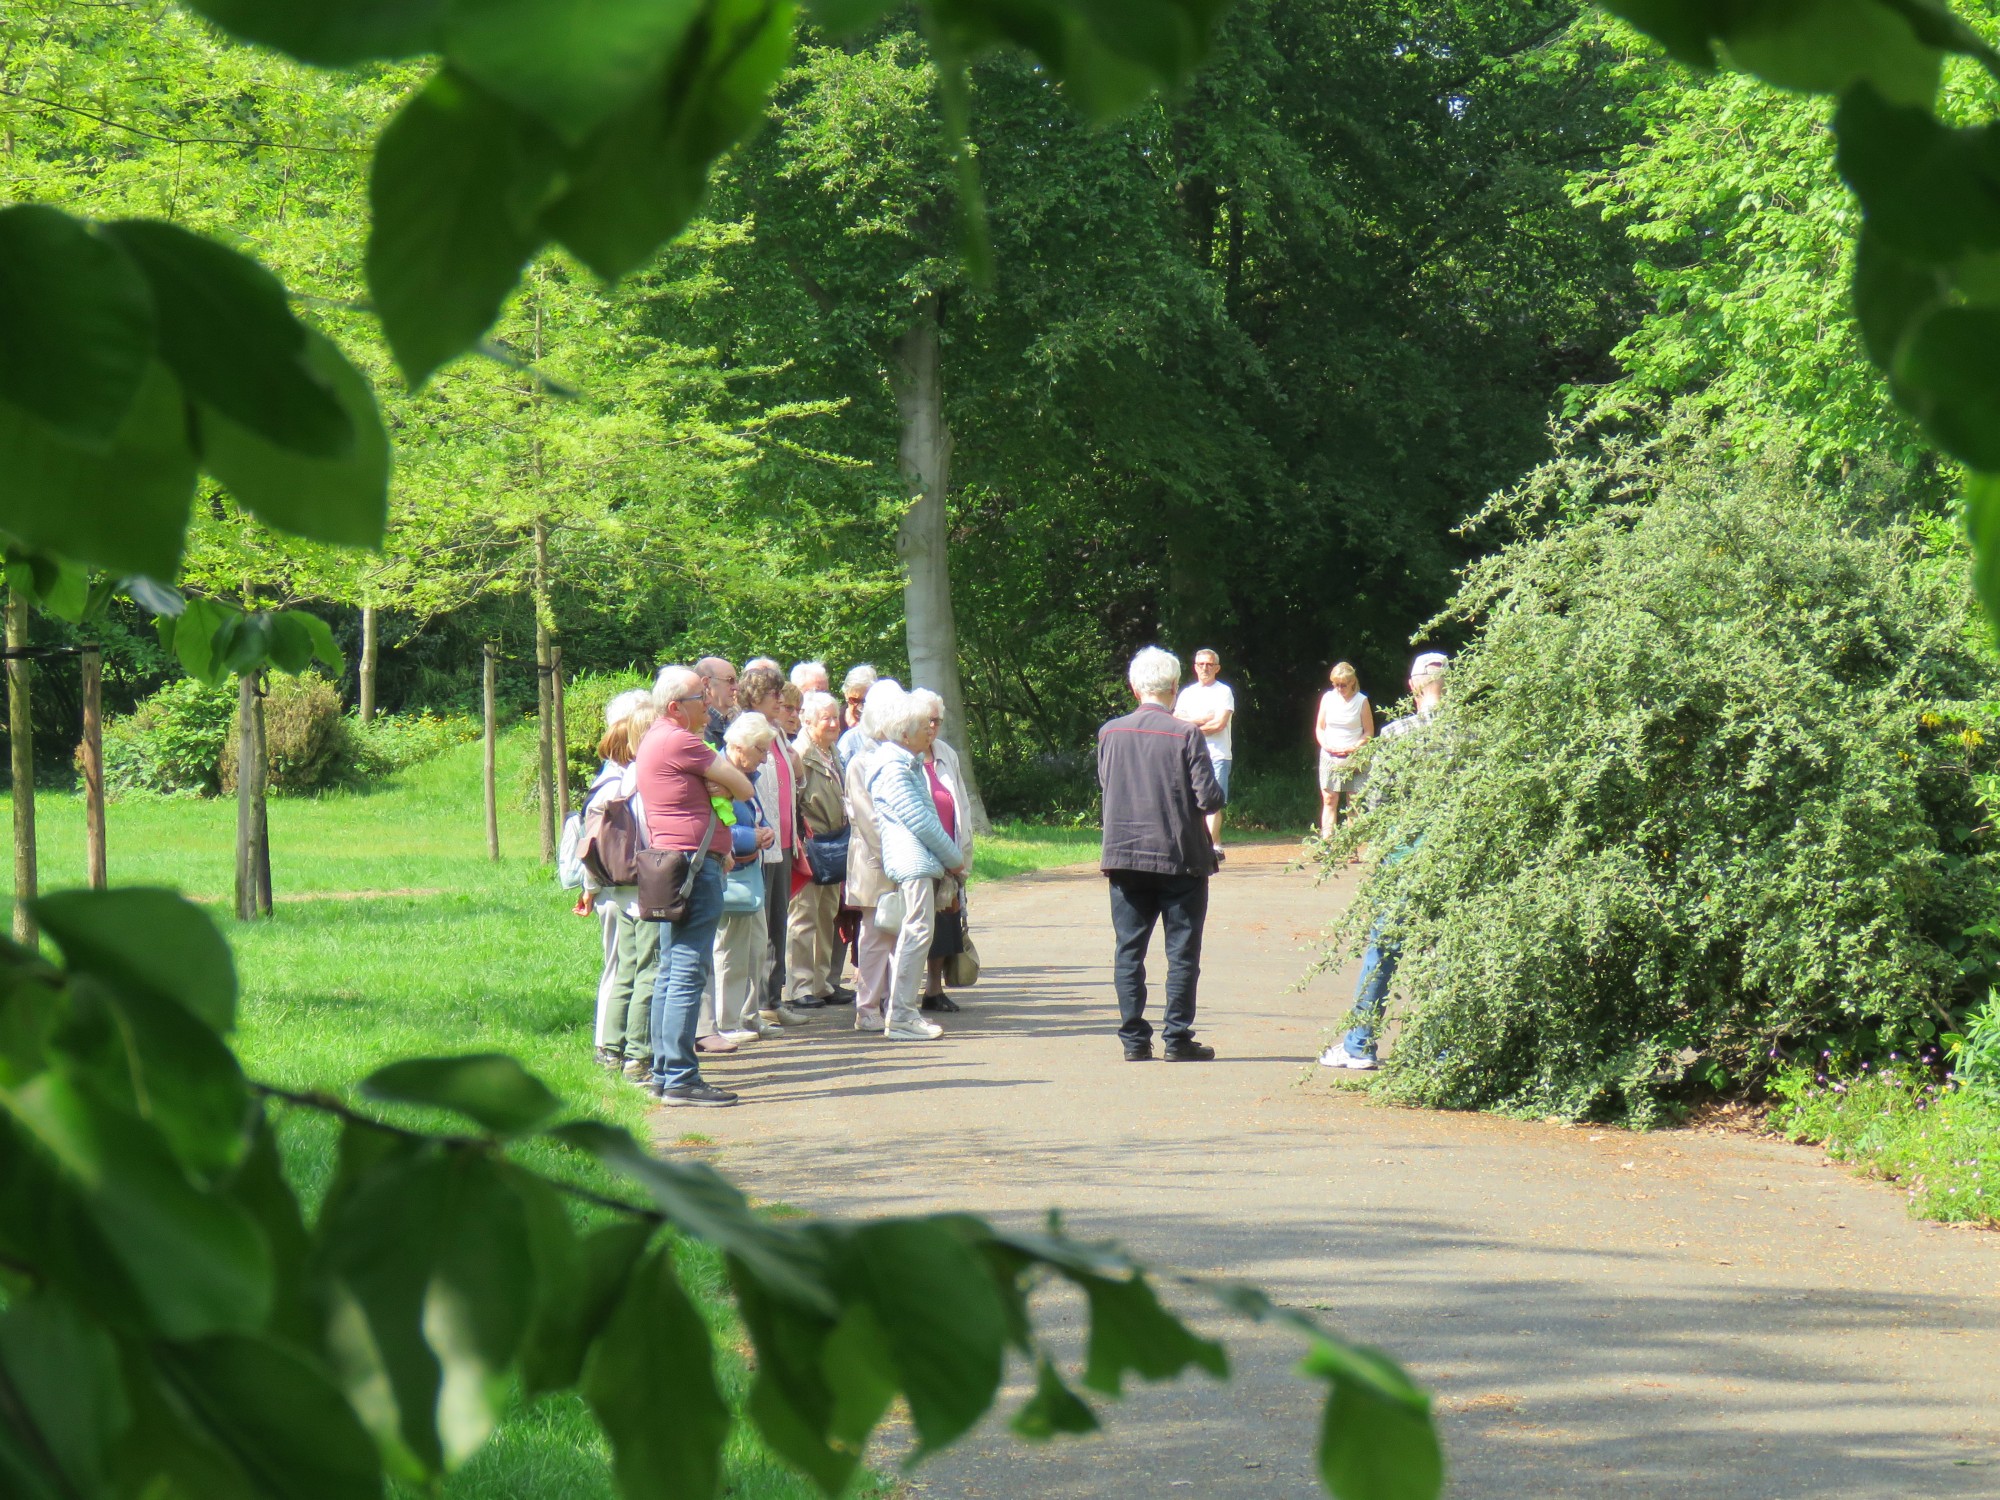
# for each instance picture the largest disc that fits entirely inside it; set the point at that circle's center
(170, 743)
(1703, 792)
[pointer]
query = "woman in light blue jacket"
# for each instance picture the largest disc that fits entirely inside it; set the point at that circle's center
(916, 853)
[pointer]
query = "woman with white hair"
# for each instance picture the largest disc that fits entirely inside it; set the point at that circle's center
(813, 942)
(866, 885)
(631, 947)
(947, 792)
(740, 936)
(917, 853)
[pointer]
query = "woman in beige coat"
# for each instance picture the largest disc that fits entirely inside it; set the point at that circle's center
(866, 882)
(813, 944)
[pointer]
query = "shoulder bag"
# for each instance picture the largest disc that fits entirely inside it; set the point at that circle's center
(666, 879)
(826, 855)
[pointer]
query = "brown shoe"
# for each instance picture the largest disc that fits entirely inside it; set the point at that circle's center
(714, 1043)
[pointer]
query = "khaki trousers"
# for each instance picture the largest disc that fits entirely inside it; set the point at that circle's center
(739, 969)
(815, 948)
(874, 954)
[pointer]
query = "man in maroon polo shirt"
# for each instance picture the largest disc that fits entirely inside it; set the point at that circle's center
(1159, 786)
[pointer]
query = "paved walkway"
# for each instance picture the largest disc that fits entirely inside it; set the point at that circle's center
(1601, 1314)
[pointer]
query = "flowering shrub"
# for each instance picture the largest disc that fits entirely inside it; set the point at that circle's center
(1703, 789)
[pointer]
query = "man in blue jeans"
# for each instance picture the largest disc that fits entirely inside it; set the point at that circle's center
(1159, 786)
(678, 775)
(1356, 1050)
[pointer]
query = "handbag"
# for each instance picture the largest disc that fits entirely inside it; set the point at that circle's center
(961, 970)
(826, 856)
(743, 889)
(666, 879)
(889, 911)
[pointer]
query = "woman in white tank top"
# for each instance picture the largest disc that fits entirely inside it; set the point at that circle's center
(1344, 725)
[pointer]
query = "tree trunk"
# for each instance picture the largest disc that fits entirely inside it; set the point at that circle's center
(545, 700)
(370, 654)
(252, 871)
(492, 800)
(916, 376)
(21, 740)
(93, 769)
(260, 804)
(562, 734)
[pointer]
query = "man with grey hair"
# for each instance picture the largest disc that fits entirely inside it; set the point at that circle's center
(1159, 786)
(718, 680)
(811, 677)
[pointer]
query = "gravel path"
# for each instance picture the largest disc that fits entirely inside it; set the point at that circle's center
(1601, 1314)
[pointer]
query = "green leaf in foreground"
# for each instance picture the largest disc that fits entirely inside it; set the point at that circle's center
(78, 321)
(63, 1370)
(332, 32)
(458, 184)
(1376, 1441)
(699, 1200)
(152, 941)
(124, 508)
(194, 1257)
(343, 499)
(651, 1381)
(279, 1415)
(226, 329)
(489, 1088)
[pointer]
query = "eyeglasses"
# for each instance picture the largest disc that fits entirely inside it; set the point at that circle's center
(697, 698)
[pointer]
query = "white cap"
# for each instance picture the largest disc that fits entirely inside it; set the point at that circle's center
(1429, 661)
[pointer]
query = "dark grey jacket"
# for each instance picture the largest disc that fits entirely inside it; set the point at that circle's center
(1158, 781)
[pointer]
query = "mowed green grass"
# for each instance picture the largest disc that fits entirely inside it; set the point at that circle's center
(396, 936)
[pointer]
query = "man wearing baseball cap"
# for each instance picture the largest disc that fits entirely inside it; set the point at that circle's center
(1378, 960)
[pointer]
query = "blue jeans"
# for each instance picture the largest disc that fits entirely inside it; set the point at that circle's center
(1222, 777)
(687, 949)
(1371, 990)
(1139, 901)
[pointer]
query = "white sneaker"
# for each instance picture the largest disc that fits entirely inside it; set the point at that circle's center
(1337, 1056)
(923, 1031)
(865, 1022)
(742, 1034)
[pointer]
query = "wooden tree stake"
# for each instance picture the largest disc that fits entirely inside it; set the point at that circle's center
(260, 805)
(492, 804)
(246, 779)
(21, 738)
(545, 710)
(93, 768)
(562, 734)
(370, 654)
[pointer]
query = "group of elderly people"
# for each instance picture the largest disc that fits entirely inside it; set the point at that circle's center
(816, 826)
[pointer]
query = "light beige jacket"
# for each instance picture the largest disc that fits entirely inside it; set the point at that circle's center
(866, 883)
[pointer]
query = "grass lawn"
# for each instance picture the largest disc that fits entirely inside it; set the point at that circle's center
(395, 936)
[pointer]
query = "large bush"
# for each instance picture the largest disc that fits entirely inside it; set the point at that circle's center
(170, 743)
(1702, 792)
(308, 741)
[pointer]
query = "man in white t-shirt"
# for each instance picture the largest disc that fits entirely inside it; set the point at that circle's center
(1210, 705)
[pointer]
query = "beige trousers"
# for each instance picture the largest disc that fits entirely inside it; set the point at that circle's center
(814, 947)
(739, 966)
(913, 950)
(874, 955)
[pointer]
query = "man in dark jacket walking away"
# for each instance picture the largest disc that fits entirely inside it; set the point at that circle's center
(1159, 785)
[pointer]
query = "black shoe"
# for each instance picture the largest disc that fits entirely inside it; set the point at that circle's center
(807, 1002)
(841, 995)
(1190, 1051)
(1138, 1052)
(940, 1002)
(706, 1094)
